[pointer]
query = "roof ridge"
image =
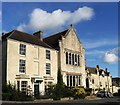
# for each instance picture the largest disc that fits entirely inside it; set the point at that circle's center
(56, 33)
(23, 32)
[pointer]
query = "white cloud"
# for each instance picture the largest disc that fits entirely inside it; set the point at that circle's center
(112, 56)
(57, 19)
(99, 43)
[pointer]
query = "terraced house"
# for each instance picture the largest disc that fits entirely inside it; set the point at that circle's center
(31, 61)
(98, 79)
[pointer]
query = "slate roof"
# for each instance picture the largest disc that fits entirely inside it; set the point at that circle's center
(25, 37)
(53, 40)
(100, 71)
(91, 70)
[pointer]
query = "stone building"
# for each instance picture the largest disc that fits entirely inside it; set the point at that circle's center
(33, 61)
(98, 79)
(71, 60)
(28, 61)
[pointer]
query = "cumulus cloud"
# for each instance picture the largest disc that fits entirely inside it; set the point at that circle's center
(57, 19)
(112, 56)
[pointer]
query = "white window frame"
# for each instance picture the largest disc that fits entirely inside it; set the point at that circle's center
(24, 86)
(48, 68)
(22, 49)
(22, 66)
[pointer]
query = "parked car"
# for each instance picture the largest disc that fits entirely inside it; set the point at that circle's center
(104, 94)
(109, 94)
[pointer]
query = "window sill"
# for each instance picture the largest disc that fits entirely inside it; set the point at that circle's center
(22, 55)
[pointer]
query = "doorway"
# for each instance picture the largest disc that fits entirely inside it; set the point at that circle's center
(36, 89)
(87, 83)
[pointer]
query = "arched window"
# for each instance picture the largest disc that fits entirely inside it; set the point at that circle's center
(66, 57)
(69, 58)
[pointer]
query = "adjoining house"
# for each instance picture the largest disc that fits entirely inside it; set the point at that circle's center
(33, 61)
(98, 79)
(115, 84)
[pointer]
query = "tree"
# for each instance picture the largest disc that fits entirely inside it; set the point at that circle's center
(59, 88)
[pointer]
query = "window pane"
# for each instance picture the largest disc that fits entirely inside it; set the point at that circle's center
(22, 66)
(73, 80)
(70, 80)
(24, 86)
(47, 68)
(73, 59)
(22, 49)
(67, 80)
(47, 54)
(69, 58)
(78, 60)
(66, 57)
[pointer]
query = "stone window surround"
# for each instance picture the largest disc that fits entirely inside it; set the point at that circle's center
(77, 80)
(70, 56)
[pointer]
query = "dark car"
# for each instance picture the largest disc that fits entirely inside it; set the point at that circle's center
(104, 94)
(101, 94)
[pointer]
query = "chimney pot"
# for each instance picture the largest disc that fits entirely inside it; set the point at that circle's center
(106, 69)
(98, 66)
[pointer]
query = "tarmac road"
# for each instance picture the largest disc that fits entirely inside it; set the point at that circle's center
(108, 101)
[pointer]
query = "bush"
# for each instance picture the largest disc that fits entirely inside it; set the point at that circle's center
(10, 93)
(88, 91)
(79, 93)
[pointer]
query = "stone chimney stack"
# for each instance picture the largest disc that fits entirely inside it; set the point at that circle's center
(39, 34)
(106, 70)
(98, 66)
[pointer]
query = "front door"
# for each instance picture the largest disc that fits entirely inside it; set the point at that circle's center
(36, 89)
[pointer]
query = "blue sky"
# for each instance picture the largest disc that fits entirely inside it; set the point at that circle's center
(96, 25)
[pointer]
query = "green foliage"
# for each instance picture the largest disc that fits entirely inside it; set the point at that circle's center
(59, 88)
(79, 93)
(59, 77)
(9, 92)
